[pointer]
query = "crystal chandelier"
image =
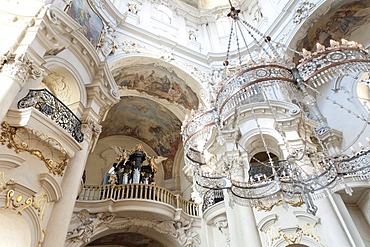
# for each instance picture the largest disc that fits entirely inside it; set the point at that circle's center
(264, 138)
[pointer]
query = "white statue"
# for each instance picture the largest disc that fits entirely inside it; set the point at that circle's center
(185, 236)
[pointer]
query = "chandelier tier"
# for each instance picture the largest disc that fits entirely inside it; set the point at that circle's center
(264, 139)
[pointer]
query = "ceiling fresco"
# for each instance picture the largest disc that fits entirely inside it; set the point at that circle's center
(339, 22)
(157, 81)
(126, 240)
(149, 122)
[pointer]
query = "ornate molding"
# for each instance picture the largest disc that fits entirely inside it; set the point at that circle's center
(22, 139)
(91, 130)
(20, 203)
(4, 183)
(56, 83)
(302, 11)
(51, 187)
(223, 227)
(10, 160)
(84, 225)
(22, 68)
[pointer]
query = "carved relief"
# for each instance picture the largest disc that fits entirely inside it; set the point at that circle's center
(85, 224)
(185, 236)
(107, 44)
(223, 227)
(57, 86)
(302, 11)
(22, 68)
(91, 130)
(23, 140)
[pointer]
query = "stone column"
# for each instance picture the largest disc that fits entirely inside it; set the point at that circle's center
(337, 225)
(57, 227)
(14, 75)
(242, 225)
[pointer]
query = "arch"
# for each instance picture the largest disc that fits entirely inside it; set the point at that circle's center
(105, 154)
(251, 141)
(164, 14)
(145, 58)
(65, 68)
(145, 230)
(13, 227)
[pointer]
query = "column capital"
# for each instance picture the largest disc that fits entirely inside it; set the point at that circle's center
(91, 130)
(22, 68)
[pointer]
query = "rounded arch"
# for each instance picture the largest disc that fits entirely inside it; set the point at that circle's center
(304, 241)
(14, 226)
(183, 74)
(55, 64)
(146, 230)
(252, 142)
(103, 157)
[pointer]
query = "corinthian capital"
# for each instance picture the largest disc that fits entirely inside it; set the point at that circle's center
(22, 68)
(91, 131)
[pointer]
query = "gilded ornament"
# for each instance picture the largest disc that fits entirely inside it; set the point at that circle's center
(22, 139)
(3, 183)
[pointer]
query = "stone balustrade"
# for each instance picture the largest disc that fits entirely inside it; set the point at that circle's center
(145, 192)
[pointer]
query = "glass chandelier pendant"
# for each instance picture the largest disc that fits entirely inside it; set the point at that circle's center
(264, 139)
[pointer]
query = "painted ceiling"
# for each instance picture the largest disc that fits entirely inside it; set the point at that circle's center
(158, 81)
(126, 240)
(339, 22)
(149, 122)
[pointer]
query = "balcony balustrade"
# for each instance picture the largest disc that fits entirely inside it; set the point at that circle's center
(52, 107)
(91, 193)
(255, 84)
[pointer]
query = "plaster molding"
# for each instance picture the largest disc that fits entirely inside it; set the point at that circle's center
(306, 217)
(265, 224)
(51, 187)
(10, 161)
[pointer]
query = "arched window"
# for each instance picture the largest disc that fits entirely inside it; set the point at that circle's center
(260, 167)
(164, 14)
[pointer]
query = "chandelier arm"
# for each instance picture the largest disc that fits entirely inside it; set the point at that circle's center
(237, 42)
(246, 45)
(279, 128)
(261, 134)
(226, 62)
(254, 38)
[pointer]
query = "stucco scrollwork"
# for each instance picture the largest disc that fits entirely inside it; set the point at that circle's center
(185, 236)
(107, 45)
(223, 227)
(4, 183)
(302, 11)
(84, 225)
(91, 130)
(176, 229)
(23, 139)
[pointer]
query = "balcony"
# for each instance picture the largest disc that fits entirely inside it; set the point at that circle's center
(135, 197)
(52, 107)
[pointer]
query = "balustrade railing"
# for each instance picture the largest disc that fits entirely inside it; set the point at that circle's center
(51, 106)
(137, 192)
(211, 197)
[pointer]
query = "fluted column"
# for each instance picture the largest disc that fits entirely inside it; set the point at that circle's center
(14, 76)
(56, 230)
(242, 225)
